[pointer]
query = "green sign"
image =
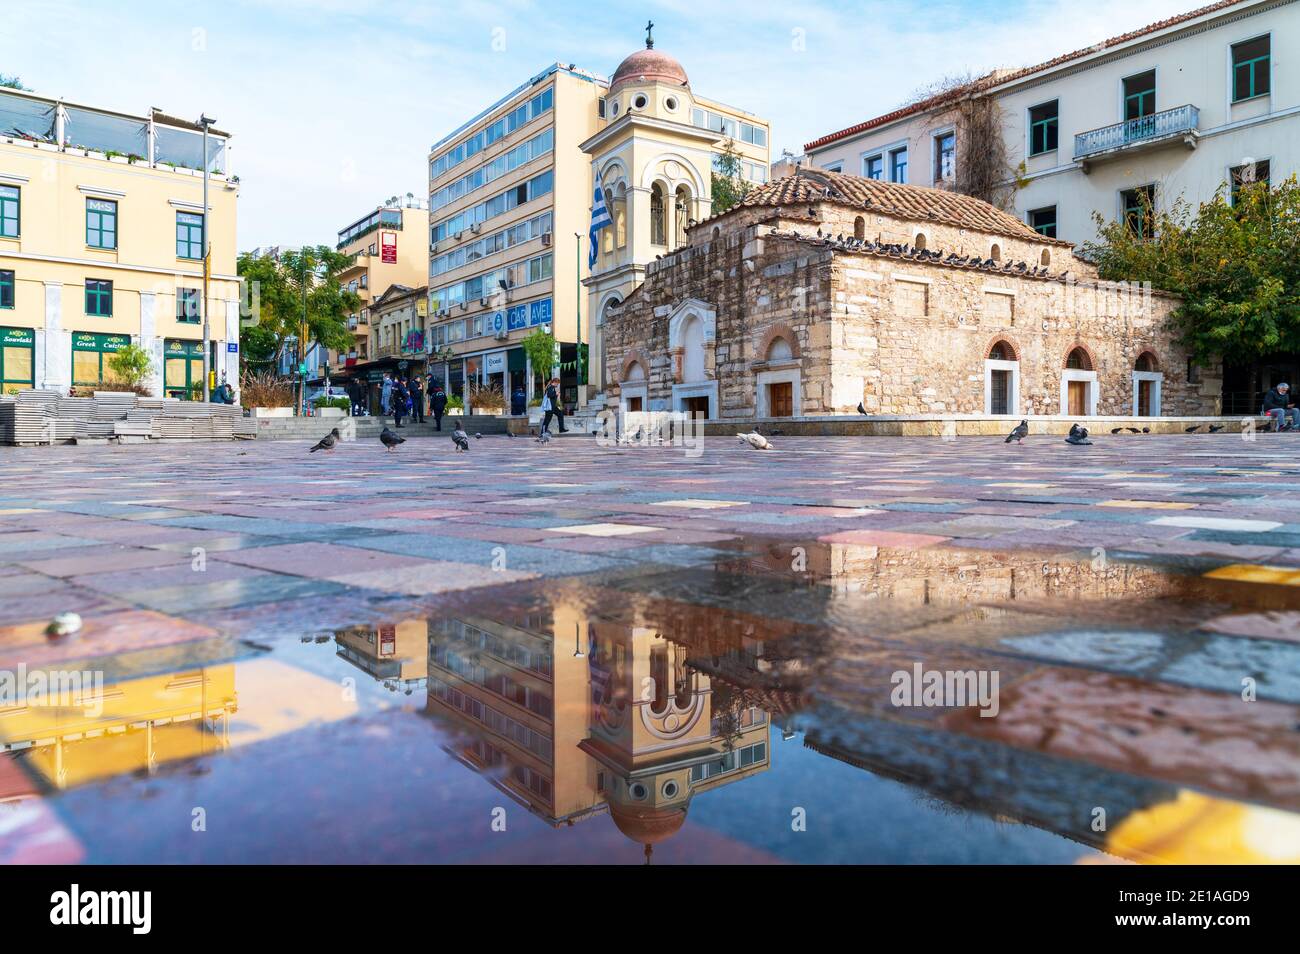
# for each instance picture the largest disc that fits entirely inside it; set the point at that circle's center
(88, 341)
(302, 368)
(177, 347)
(17, 336)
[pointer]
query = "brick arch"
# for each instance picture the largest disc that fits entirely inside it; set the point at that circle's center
(1092, 359)
(633, 357)
(1006, 340)
(781, 330)
(1147, 352)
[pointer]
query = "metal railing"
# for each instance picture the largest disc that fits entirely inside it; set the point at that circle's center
(1162, 125)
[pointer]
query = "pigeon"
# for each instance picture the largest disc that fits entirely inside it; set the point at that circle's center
(544, 437)
(1215, 428)
(1146, 430)
(460, 439)
(1132, 430)
(389, 439)
(510, 434)
(478, 436)
(65, 624)
(1019, 434)
(1116, 430)
(327, 442)
(1194, 427)
(1077, 436)
(861, 410)
(755, 440)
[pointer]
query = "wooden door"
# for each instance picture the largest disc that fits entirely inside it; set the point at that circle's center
(1078, 398)
(1000, 398)
(780, 399)
(634, 404)
(1144, 399)
(696, 406)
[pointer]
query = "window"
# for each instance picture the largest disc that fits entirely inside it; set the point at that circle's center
(1043, 221)
(99, 298)
(658, 216)
(1250, 69)
(898, 165)
(1138, 206)
(9, 202)
(945, 157)
(90, 354)
(600, 107)
(101, 223)
(873, 167)
(1140, 95)
(187, 304)
(189, 235)
(6, 289)
(1249, 174)
(1043, 128)
(834, 167)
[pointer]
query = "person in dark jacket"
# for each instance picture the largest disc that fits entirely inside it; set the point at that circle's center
(401, 397)
(438, 404)
(552, 407)
(518, 401)
(417, 400)
(1280, 408)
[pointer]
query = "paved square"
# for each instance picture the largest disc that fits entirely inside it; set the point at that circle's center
(372, 628)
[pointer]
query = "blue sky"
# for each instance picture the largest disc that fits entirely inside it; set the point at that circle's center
(335, 103)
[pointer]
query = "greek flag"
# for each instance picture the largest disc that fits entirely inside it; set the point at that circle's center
(599, 219)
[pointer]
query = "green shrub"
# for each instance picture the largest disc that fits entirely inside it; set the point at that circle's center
(340, 402)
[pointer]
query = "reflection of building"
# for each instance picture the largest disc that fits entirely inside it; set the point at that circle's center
(102, 234)
(396, 652)
(625, 726)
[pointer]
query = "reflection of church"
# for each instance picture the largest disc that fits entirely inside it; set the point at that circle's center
(617, 723)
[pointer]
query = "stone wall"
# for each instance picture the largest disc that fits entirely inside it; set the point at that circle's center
(901, 335)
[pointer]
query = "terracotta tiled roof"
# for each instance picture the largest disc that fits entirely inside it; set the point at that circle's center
(998, 78)
(915, 203)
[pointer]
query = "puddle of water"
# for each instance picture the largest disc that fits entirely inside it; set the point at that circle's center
(787, 703)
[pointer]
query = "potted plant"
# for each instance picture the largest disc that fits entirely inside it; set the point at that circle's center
(332, 406)
(265, 394)
(487, 399)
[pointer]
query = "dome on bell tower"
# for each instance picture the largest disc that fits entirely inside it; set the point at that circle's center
(649, 66)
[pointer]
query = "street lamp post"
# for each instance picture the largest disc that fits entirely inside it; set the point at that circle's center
(577, 290)
(205, 122)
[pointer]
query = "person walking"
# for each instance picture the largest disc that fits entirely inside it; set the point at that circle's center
(552, 407)
(438, 404)
(385, 395)
(417, 400)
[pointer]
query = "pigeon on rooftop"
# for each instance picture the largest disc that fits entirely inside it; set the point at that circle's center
(327, 442)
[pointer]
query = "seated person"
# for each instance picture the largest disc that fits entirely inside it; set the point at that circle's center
(1280, 408)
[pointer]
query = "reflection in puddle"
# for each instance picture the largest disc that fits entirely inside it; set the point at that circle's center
(737, 712)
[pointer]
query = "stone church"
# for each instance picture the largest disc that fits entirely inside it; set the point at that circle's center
(823, 291)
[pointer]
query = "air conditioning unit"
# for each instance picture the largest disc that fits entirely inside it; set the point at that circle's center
(459, 234)
(482, 301)
(464, 305)
(546, 238)
(501, 334)
(474, 228)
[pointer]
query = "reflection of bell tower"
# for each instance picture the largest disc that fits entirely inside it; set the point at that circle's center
(653, 732)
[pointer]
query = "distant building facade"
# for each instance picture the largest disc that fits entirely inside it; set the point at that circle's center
(1176, 109)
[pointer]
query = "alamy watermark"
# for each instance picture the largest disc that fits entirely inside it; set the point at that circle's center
(919, 687)
(67, 689)
(651, 429)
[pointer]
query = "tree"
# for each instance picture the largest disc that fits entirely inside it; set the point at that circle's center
(728, 187)
(980, 168)
(280, 294)
(1235, 263)
(13, 82)
(131, 365)
(540, 348)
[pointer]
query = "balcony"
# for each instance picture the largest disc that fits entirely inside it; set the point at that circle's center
(1162, 128)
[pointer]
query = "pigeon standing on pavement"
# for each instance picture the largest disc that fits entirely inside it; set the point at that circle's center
(1018, 434)
(544, 437)
(327, 442)
(460, 439)
(1215, 428)
(478, 436)
(1194, 427)
(1077, 436)
(755, 440)
(389, 439)
(1116, 430)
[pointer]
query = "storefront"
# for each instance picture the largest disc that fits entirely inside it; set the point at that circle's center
(90, 355)
(182, 367)
(17, 359)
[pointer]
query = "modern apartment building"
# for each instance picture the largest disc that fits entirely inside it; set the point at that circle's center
(102, 231)
(510, 197)
(1177, 108)
(387, 248)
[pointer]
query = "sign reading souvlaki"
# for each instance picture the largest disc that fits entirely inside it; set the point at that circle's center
(494, 363)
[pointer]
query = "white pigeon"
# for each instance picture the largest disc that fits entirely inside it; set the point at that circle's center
(755, 440)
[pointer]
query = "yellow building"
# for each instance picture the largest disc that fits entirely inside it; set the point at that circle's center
(101, 245)
(655, 155)
(510, 196)
(387, 248)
